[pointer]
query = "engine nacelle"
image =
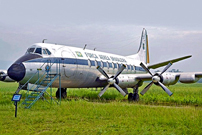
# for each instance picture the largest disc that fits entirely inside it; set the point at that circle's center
(126, 81)
(169, 79)
(188, 78)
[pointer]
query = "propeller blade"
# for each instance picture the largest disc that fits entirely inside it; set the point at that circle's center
(165, 89)
(119, 71)
(4, 75)
(145, 68)
(103, 91)
(146, 88)
(169, 64)
(119, 89)
(102, 72)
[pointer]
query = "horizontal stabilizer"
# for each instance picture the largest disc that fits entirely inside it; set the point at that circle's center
(154, 66)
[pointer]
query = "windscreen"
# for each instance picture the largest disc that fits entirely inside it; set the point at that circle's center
(38, 50)
(30, 50)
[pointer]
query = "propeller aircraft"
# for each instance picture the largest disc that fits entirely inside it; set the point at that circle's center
(83, 68)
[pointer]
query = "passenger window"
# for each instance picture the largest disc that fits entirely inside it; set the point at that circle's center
(92, 63)
(38, 50)
(99, 63)
(110, 65)
(115, 65)
(132, 67)
(128, 67)
(105, 64)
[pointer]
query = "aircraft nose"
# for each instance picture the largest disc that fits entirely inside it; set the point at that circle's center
(16, 71)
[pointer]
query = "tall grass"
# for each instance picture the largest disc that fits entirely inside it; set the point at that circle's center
(183, 94)
(82, 117)
(84, 113)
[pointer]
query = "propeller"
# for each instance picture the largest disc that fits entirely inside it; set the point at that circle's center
(2, 75)
(111, 80)
(156, 79)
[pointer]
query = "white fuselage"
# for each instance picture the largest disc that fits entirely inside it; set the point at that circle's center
(78, 67)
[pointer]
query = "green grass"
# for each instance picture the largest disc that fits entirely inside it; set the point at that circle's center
(84, 113)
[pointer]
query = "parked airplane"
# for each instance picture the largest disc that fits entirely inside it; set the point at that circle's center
(83, 68)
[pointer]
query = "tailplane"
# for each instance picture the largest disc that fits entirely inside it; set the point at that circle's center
(143, 51)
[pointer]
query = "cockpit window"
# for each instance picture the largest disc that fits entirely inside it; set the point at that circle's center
(44, 52)
(49, 53)
(38, 50)
(30, 50)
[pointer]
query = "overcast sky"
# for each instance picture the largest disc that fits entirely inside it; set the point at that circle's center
(174, 27)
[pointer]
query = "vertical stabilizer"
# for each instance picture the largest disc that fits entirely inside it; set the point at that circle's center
(143, 51)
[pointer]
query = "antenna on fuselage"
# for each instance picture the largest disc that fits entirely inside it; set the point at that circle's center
(85, 47)
(43, 40)
(94, 49)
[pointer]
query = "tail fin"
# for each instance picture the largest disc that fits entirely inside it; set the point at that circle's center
(143, 52)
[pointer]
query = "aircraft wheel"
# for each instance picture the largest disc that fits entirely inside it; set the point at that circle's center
(130, 97)
(136, 97)
(63, 93)
(133, 97)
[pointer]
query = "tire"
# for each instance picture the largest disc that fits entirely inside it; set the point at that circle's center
(130, 97)
(136, 97)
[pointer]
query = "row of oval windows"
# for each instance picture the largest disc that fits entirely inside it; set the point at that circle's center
(109, 65)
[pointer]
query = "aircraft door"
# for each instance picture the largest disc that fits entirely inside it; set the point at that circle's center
(69, 63)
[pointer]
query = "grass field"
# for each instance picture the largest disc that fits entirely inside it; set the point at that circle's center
(84, 113)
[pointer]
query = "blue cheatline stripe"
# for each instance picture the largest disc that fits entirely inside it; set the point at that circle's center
(76, 61)
(61, 60)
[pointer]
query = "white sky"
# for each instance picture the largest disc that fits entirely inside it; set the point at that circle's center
(174, 27)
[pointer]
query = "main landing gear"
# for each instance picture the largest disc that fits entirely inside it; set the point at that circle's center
(63, 93)
(134, 96)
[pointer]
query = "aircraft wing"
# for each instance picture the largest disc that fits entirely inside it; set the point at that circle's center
(172, 78)
(183, 77)
(154, 66)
